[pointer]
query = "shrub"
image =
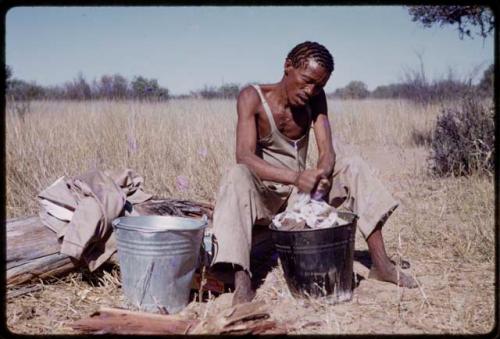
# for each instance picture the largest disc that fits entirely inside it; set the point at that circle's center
(353, 90)
(463, 142)
(22, 90)
(486, 85)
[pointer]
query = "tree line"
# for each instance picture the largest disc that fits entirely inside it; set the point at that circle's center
(116, 87)
(111, 87)
(417, 88)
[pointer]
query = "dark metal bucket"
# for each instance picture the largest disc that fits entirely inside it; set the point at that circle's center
(318, 262)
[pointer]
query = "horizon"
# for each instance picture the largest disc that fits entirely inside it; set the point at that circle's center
(189, 48)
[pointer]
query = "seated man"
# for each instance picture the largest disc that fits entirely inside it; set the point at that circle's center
(271, 147)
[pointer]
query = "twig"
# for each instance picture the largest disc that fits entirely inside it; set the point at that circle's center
(421, 289)
(397, 273)
(203, 281)
(22, 291)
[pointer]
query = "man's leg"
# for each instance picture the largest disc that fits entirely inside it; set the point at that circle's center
(361, 192)
(383, 269)
(242, 201)
(243, 290)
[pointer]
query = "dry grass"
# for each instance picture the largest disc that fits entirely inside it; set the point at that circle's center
(192, 138)
(444, 227)
(60, 138)
(382, 122)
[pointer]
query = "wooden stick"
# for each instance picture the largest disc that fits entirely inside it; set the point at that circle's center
(118, 321)
(22, 291)
(248, 318)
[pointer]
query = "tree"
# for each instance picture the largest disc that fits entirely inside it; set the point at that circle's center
(466, 17)
(485, 86)
(8, 75)
(229, 91)
(78, 89)
(112, 87)
(104, 88)
(208, 92)
(353, 90)
(356, 90)
(22, 90)
(148, 89)
(120, 86)
(390, 91)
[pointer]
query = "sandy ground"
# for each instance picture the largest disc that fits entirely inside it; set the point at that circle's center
(456, 294)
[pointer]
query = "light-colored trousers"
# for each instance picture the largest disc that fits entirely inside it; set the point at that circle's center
(244, 201)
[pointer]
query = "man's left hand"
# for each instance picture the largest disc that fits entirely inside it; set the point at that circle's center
(322, 189)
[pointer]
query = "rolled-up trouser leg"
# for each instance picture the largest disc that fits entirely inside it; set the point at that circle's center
(242, 201)
(355, 188)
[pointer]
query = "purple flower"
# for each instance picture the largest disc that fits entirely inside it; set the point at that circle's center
(132, 144)
(203, 152)
(182, 183)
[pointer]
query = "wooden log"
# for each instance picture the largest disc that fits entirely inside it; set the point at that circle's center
(247, 318)
(27, 239)
(48, 266)
(119, 321)
(33, 249)
(33, 252)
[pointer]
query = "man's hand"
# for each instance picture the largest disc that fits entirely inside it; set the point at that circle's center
(322, 189)
(307, 180)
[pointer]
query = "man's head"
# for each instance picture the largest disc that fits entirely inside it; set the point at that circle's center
(308, 67)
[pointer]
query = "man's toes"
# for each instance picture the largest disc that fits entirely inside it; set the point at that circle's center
(407, 281)
(392, 276)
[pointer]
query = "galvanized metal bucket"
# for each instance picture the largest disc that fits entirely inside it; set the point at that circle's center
(158, 256)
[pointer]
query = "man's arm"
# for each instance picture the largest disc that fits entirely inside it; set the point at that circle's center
(323, 134)
(246, 141)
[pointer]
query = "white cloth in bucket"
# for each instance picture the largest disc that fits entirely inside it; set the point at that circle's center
(308, 213)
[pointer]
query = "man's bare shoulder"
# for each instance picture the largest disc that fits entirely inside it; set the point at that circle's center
(318, 104)
(248, 99)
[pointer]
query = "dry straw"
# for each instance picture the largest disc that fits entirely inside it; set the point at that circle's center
(444, 227)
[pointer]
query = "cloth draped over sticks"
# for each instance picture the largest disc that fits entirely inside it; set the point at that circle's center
(80, 210)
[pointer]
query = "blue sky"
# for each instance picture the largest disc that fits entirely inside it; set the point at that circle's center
(186, 48)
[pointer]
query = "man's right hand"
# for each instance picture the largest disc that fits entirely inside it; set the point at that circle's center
(307, 180)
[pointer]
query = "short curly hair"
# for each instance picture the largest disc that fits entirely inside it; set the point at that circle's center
(307, 50)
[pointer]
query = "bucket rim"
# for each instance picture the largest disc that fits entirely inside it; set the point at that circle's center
(352, 224)
(157, 223)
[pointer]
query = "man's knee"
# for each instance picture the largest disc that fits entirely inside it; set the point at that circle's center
(238, 175)
(353, 163)
(238, 172)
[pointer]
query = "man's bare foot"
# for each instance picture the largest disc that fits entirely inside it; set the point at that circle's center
(390, 274)
(383, 269)
(243, 288)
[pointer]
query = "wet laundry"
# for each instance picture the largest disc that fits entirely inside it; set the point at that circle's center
(308, 213)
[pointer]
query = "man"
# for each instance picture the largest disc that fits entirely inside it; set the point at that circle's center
(271, 147)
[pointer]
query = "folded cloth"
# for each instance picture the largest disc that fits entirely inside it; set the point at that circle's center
(80, 210)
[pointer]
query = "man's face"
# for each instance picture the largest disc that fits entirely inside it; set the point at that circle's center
(304, 82)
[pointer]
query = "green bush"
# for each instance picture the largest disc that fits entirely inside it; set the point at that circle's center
(463, 142)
